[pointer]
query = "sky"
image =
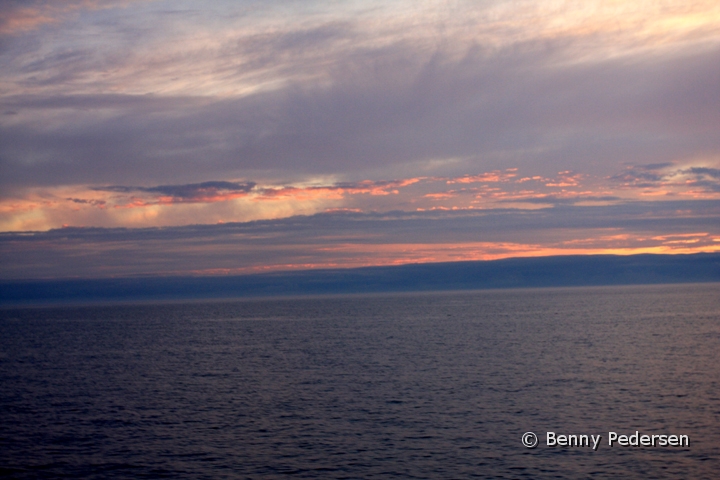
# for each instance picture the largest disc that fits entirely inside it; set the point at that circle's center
(142, 137)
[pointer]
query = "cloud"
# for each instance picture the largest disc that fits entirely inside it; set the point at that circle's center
(94, 203)
(232, 201)
(340, 189)
(495, 176)
(351, 97)
(701, 172)
(348, 239)
(193, 192)
(671, 178)
(566, 200)
(641, 175)
(475, 110)
(14, 19)
(20, 16)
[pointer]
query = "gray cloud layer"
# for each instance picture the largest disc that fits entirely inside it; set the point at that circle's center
(185, 192)
(380, 109)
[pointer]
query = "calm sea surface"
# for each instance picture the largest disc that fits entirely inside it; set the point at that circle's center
(437, 386)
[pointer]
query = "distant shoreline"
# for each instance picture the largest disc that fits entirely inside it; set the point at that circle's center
(532, 272)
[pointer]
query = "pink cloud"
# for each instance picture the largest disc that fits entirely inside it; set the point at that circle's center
(494, 176)
(34, 14)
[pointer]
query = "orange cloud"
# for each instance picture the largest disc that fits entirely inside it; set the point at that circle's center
(41, 209)
(299, 194)
(494, 176)
(138, 202)
(442, 196)
(340, 190)
(566, 179)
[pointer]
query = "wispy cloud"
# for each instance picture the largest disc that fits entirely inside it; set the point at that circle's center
(19, 16)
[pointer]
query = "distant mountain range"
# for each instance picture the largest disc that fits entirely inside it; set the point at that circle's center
(557, 271)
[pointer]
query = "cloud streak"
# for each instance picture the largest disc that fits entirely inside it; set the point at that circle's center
(349, 239)
(193, 192)
(225, 201)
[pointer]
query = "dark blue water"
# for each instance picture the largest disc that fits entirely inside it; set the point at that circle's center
(437, 386)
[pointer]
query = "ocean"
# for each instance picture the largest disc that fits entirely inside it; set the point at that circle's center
(418, 386)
